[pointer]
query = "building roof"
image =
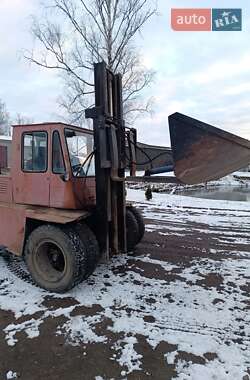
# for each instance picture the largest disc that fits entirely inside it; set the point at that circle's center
(147, 146)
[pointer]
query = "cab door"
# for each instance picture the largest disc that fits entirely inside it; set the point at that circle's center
(32, 184)
(60, 188)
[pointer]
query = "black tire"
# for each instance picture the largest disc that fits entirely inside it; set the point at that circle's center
(132, 228)
(138, 215)
(56, 257)
(88, 238)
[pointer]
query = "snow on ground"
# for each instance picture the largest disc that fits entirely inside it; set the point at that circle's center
(11, 375)
(176, 304)
(244, 175)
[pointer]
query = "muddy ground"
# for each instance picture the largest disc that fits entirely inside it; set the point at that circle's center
(194, 253)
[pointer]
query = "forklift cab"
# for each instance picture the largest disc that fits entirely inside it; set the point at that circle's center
(55, 166)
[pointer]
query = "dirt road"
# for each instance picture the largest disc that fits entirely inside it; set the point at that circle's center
(179, 308)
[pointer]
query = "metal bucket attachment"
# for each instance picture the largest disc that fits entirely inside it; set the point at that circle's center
(202, 152)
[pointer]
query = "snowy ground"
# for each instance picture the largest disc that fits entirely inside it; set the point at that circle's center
(178, 309)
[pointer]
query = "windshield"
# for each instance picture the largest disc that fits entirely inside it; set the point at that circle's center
(80, 146)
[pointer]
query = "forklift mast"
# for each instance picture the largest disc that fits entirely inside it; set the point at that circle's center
(110, 160)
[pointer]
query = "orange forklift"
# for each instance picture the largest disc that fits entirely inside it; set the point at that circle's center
(63, 204)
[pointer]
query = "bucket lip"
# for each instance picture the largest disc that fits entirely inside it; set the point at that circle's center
(210, 129)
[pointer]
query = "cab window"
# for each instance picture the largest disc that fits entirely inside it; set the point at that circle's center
(58, 165)
(34, 152)
(81, 152)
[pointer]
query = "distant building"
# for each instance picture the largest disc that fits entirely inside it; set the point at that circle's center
(5, 151)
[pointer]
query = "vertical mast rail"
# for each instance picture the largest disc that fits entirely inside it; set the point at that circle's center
(109, 140)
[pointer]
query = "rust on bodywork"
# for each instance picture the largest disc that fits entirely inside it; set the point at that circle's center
(202, 152)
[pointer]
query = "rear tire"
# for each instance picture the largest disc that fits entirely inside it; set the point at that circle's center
(132, 228)
(140, 221)
(56, 257)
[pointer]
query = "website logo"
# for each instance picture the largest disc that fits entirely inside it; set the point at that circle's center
(191, 19)
(206, 19)
(227, 19)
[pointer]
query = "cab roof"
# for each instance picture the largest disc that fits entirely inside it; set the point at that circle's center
(58, 124)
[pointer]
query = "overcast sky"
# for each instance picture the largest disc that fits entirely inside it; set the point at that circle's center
(203, 74)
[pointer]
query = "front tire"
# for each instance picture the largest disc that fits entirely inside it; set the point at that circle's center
(132, 230)
(87, 237)
(139, 218)
(56, 257)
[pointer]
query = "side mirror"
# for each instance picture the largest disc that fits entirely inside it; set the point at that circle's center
(65, 177)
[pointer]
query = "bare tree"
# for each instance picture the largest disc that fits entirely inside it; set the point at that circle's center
(88, 31)
(5, 124)
(22, 119)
